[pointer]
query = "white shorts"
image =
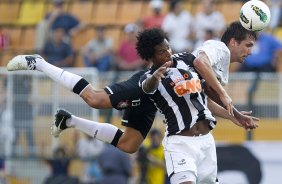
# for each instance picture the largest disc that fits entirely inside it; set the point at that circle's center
(196, 155)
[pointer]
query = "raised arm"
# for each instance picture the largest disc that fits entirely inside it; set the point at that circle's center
(204, 68)
(151, 83)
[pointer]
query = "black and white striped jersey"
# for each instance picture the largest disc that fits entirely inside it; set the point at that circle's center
(179, 96)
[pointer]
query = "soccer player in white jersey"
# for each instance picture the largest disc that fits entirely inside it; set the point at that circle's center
(214, 57)
(112, 96)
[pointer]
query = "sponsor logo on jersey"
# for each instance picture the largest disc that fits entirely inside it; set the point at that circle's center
(187, 87)
(123, 104)
(178, 79)
(182, 162)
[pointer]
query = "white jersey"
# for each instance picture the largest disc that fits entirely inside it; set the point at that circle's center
(219, 56)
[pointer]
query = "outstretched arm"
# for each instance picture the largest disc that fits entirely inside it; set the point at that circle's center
(248, 122)
(150, 84)
(219, 111)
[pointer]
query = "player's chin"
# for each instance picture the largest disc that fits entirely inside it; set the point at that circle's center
(242, 60)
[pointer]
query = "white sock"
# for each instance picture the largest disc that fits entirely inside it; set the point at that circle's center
(103, 131)
(67, 79)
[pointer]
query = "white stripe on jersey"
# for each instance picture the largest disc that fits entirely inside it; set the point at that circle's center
(124, 121)
(182, 65)
(110, 90)
(193, 110)
(173, 105)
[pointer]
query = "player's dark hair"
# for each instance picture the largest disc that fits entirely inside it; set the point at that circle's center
(238, 32)
(147, 40)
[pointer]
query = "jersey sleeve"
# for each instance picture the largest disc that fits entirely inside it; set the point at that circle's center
(215, 50)
(186, 57)
(142, 82)
(219, 57)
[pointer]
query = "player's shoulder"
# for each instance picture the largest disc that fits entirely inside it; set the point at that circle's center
(140, 73)
(136, 76)
(182, 55)
(185, 57)
(212, 46)
(216, 43)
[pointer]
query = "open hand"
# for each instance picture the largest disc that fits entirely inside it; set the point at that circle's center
(244, 119)
(160, 72)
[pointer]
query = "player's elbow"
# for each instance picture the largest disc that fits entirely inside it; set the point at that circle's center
(198, 64)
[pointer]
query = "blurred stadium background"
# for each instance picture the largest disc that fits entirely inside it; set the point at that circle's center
(28, 100)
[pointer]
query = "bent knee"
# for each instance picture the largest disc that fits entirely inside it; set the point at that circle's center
(128, 147)
(130, 143)
(94, 103)
(96, 99)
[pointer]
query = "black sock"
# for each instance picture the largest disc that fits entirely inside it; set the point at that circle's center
(117, 137)
(79, 86)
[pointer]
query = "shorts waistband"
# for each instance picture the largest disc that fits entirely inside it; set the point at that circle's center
(205, 136)
(201, 128)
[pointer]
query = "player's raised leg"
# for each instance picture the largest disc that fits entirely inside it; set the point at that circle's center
(127, 141)
(102, 131)
(71, 81)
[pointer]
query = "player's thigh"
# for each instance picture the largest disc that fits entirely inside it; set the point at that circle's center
(207, 169)
(96, 98)
(130, 140)
(180, 154)
(138, 121)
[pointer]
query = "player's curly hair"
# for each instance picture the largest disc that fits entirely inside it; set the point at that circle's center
(147, 40)
(238, 32)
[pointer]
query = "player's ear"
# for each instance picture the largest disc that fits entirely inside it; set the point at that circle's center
(232, 42)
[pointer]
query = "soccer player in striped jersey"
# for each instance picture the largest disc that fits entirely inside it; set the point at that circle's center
(139, 114)
(177, 90)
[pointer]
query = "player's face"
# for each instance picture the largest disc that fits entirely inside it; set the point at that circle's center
(162, 53)
(242, 49)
